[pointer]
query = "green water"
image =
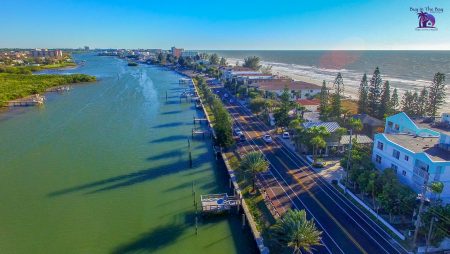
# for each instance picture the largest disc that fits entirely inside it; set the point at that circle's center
(104, 169)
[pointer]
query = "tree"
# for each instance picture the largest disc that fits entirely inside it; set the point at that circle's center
(408, 103)
(282, 113)
(294, 230)
(252, 62)
(374, 96)
(355, 125)
(394, 101)
(385, 106)
(266, 69)
(437, 188)
(254, 163)
(214, 59)
(258, 104)
(316, 136)
(181, 61)
(161, 58)
(436, 96)
(363, 93)
(422, 102)
(336, 108)
(223, 62)
(323, 107)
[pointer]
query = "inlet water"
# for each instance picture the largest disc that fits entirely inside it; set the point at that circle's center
(104, 169)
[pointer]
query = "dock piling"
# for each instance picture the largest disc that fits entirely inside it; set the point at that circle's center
(243, 220)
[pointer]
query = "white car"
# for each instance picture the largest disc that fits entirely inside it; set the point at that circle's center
(267, 138)
(238, 131)
(285, 135)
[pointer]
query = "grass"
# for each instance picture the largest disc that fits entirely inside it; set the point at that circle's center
(14, 86)
(30, 69)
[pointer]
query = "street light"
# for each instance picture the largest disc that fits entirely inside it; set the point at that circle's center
(348, 159)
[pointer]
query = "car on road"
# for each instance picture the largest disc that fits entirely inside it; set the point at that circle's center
(225, 95)
(242, 137)
(231, 101)
(285, 135)
(238, 131)
(267, 138)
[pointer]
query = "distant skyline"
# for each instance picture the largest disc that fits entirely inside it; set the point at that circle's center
(222, 25)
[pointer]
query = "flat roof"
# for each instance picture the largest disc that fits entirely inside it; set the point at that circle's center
(437, 125)
(360, 139)
(417, 144)
(330, 126)
(279, 84)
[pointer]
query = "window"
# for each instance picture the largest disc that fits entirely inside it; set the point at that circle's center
(394, 167)
(406, 158)
(378, 159)
(404, 173)
(396, 154)
(380, 145)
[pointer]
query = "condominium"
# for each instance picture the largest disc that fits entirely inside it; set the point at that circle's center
(418, 150)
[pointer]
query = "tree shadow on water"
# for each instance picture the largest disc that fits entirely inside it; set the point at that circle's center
(154, 239)
(127, 180)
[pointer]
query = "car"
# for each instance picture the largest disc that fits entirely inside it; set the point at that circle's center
(285, 135)
(225, 95)
(267, 138)
(242, 137)
(231, 101)
(238, 131)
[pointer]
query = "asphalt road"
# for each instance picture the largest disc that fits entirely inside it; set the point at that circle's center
(346, 229)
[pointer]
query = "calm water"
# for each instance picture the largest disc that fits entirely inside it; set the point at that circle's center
(406, 70)
(104, 169)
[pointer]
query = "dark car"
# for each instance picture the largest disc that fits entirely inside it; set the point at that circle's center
(242, 137)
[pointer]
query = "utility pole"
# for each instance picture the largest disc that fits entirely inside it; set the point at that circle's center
(422, 201)
(348, 159)
(429, 233)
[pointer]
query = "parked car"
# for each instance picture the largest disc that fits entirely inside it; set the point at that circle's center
(231, 101)
(267, 138)
(225, 95)
(242, 137)
(285, 135)
(238, 131)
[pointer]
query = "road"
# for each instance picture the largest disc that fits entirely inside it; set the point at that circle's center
(291, 182)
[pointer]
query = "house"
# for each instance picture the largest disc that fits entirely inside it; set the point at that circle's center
(331, 127)
(249, 78)
(371, 125)
(310, 105)
(229, 73)
(418, 150)
(298, 89)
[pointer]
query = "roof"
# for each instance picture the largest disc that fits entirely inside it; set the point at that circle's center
(369, 120)
(330, 126)
(279, 84)
(437, 125)
(254, 74)
(360, 139)
(240, 68)
(417, 144)
(306, 102)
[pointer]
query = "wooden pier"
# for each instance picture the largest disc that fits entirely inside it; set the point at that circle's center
(213, 203)
(30, 101)
(200, 120)
(200, 132)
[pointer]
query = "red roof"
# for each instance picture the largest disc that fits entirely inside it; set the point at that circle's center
(305, 102)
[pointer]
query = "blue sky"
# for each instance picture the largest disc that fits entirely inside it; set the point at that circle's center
(221, 24)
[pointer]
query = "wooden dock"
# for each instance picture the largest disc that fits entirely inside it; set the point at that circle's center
(30, 101)
(213, 203)
(200, 120)
(200, 132)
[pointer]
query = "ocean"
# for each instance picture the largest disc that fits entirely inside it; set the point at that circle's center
(405, 70)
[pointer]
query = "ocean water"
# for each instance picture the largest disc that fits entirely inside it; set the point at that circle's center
(104, 168)
(405, 70)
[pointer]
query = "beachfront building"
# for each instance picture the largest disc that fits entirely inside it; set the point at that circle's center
(251, 78)
(229, 73)
(176, 52)
(298, 89)
(189, 53)
(46, 53)
(417, 150)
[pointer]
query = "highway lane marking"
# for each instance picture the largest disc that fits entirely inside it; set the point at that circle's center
(315, 177)
(321, 205)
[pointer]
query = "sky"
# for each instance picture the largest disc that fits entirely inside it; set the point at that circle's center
(231, 24)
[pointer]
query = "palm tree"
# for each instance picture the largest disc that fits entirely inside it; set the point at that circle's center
(254, 163)
(356, 125)
(317, 142)
(296, 231)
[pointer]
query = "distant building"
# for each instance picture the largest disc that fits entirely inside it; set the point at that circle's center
(47, 53)
(298, 89)
(86, 48)
(310, 105)
(176, 52)
(189, 53)
(229, 73)
(415, 149)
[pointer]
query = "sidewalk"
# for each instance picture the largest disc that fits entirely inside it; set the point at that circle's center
(332, 169)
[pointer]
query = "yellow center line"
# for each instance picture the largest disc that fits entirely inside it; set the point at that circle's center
(322, 206)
